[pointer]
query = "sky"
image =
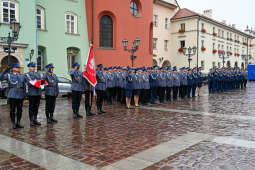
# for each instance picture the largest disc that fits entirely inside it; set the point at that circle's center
(239, 12)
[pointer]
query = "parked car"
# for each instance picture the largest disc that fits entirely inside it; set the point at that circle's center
(64, 88)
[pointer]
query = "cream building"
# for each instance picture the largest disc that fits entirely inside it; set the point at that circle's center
(163, 11)
(190, 29)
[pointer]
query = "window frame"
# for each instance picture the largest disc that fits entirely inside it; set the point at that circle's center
(75, 23)
(166, 23)
(182, 43)
(183, 26)
(155, 42)
(42, 15)
(133, 8)
(106, 43)
(155, 20)
(16, 10)
(166, 45)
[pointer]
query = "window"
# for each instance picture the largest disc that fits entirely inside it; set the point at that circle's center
(203, 25)
(218, 46)
(166, 23)
(9, 11)
(155, 21)
(106, 31)
(134, 9)
(155, 40)
(71, 23)
(182, 44)
(228, 64)
(219, 65)
(222, 34)
(203, 64)
(213, 29)
(202, 43)
(183, 26)
(40, 18)
(227, 35)
(219, 32)
(166, 45)
(213, 45)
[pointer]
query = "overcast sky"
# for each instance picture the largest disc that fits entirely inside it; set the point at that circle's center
(239, 12)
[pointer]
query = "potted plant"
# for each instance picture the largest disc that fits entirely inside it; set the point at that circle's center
(215, 34)
(203, 30)
(203, 48)
(214, 51)
(180, 50)
(181, 30)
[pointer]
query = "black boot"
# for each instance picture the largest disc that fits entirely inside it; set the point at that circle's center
(14, 125)
(90, 113)
(37, 123)
(75, 116)
(49, 120)
(18, 125)
(102, 111)
(99, 110)
(52, 118)
(79, 116)
(32, 121)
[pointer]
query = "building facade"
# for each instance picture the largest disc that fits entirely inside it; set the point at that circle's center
(114, 21)
(190, 29)
(163, 11)
(57, 32)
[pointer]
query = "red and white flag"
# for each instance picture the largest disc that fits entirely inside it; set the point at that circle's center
(90, 68)
(37, 83)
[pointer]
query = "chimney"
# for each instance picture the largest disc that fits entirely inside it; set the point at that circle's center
(224, 22)
(233, 25)
(208, 13)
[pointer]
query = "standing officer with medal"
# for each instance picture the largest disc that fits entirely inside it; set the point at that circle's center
(16, 94)
(34, 82)
(77, 88)
(51, 93)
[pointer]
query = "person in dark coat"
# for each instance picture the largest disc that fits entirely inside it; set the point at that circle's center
(129, 88)
(100, 88)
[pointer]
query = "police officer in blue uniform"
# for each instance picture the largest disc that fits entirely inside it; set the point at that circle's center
(153, 84)
(195, 82)
(100, 88)
(190, 82)
(34, 93)
(176, 83)
(169, 84)
(51, 93)
(16, 94)
(77, 88)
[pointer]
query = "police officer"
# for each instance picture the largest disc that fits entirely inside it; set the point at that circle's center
(51, 93)
(77, 88)
(200, 81)
(16, 94)
(153, 84)
(34, 92)
(195, 82)
(190, 82)
(100, 88)
(176, 83)
(169, 84)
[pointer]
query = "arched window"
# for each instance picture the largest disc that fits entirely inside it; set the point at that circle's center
(106, 31)
(134, 8)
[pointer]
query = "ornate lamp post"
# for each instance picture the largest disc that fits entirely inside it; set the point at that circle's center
(222, 55)
(189, 52)
(15, 27)
(136, 44)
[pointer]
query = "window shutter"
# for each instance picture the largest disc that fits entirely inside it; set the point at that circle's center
(16, 12)
(75, 24)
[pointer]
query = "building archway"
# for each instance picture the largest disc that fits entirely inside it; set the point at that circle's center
(166, 63)
(4, 62)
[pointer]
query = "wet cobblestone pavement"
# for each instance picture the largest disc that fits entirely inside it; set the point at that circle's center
(104, 140)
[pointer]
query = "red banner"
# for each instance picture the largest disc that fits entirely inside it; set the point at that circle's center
(90, 68)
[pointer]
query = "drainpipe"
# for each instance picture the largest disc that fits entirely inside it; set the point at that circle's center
(247, 63)
(92, 23)
(36, 36)
(197, 39)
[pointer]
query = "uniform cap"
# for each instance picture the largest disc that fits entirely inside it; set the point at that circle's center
(32, 64)
(76, 64)
(49, 66)
(16, 65)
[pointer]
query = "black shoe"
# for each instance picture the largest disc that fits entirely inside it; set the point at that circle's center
(32, 123)
(54, 120)
(19, 126)
(49, 121)
(14, 126)
(37, 123)
(75, 116)
(99, 112)
(79, 116)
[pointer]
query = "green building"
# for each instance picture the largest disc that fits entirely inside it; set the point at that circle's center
(55, 30)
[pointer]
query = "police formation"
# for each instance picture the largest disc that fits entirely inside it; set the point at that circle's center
(225, 79)
(124, 85)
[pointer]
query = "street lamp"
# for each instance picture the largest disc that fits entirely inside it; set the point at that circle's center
(189, 53)
(15, 27)
(31, 55)
(222, 55)
(136, 44)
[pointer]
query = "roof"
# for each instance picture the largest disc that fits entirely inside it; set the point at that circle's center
(183, 13)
